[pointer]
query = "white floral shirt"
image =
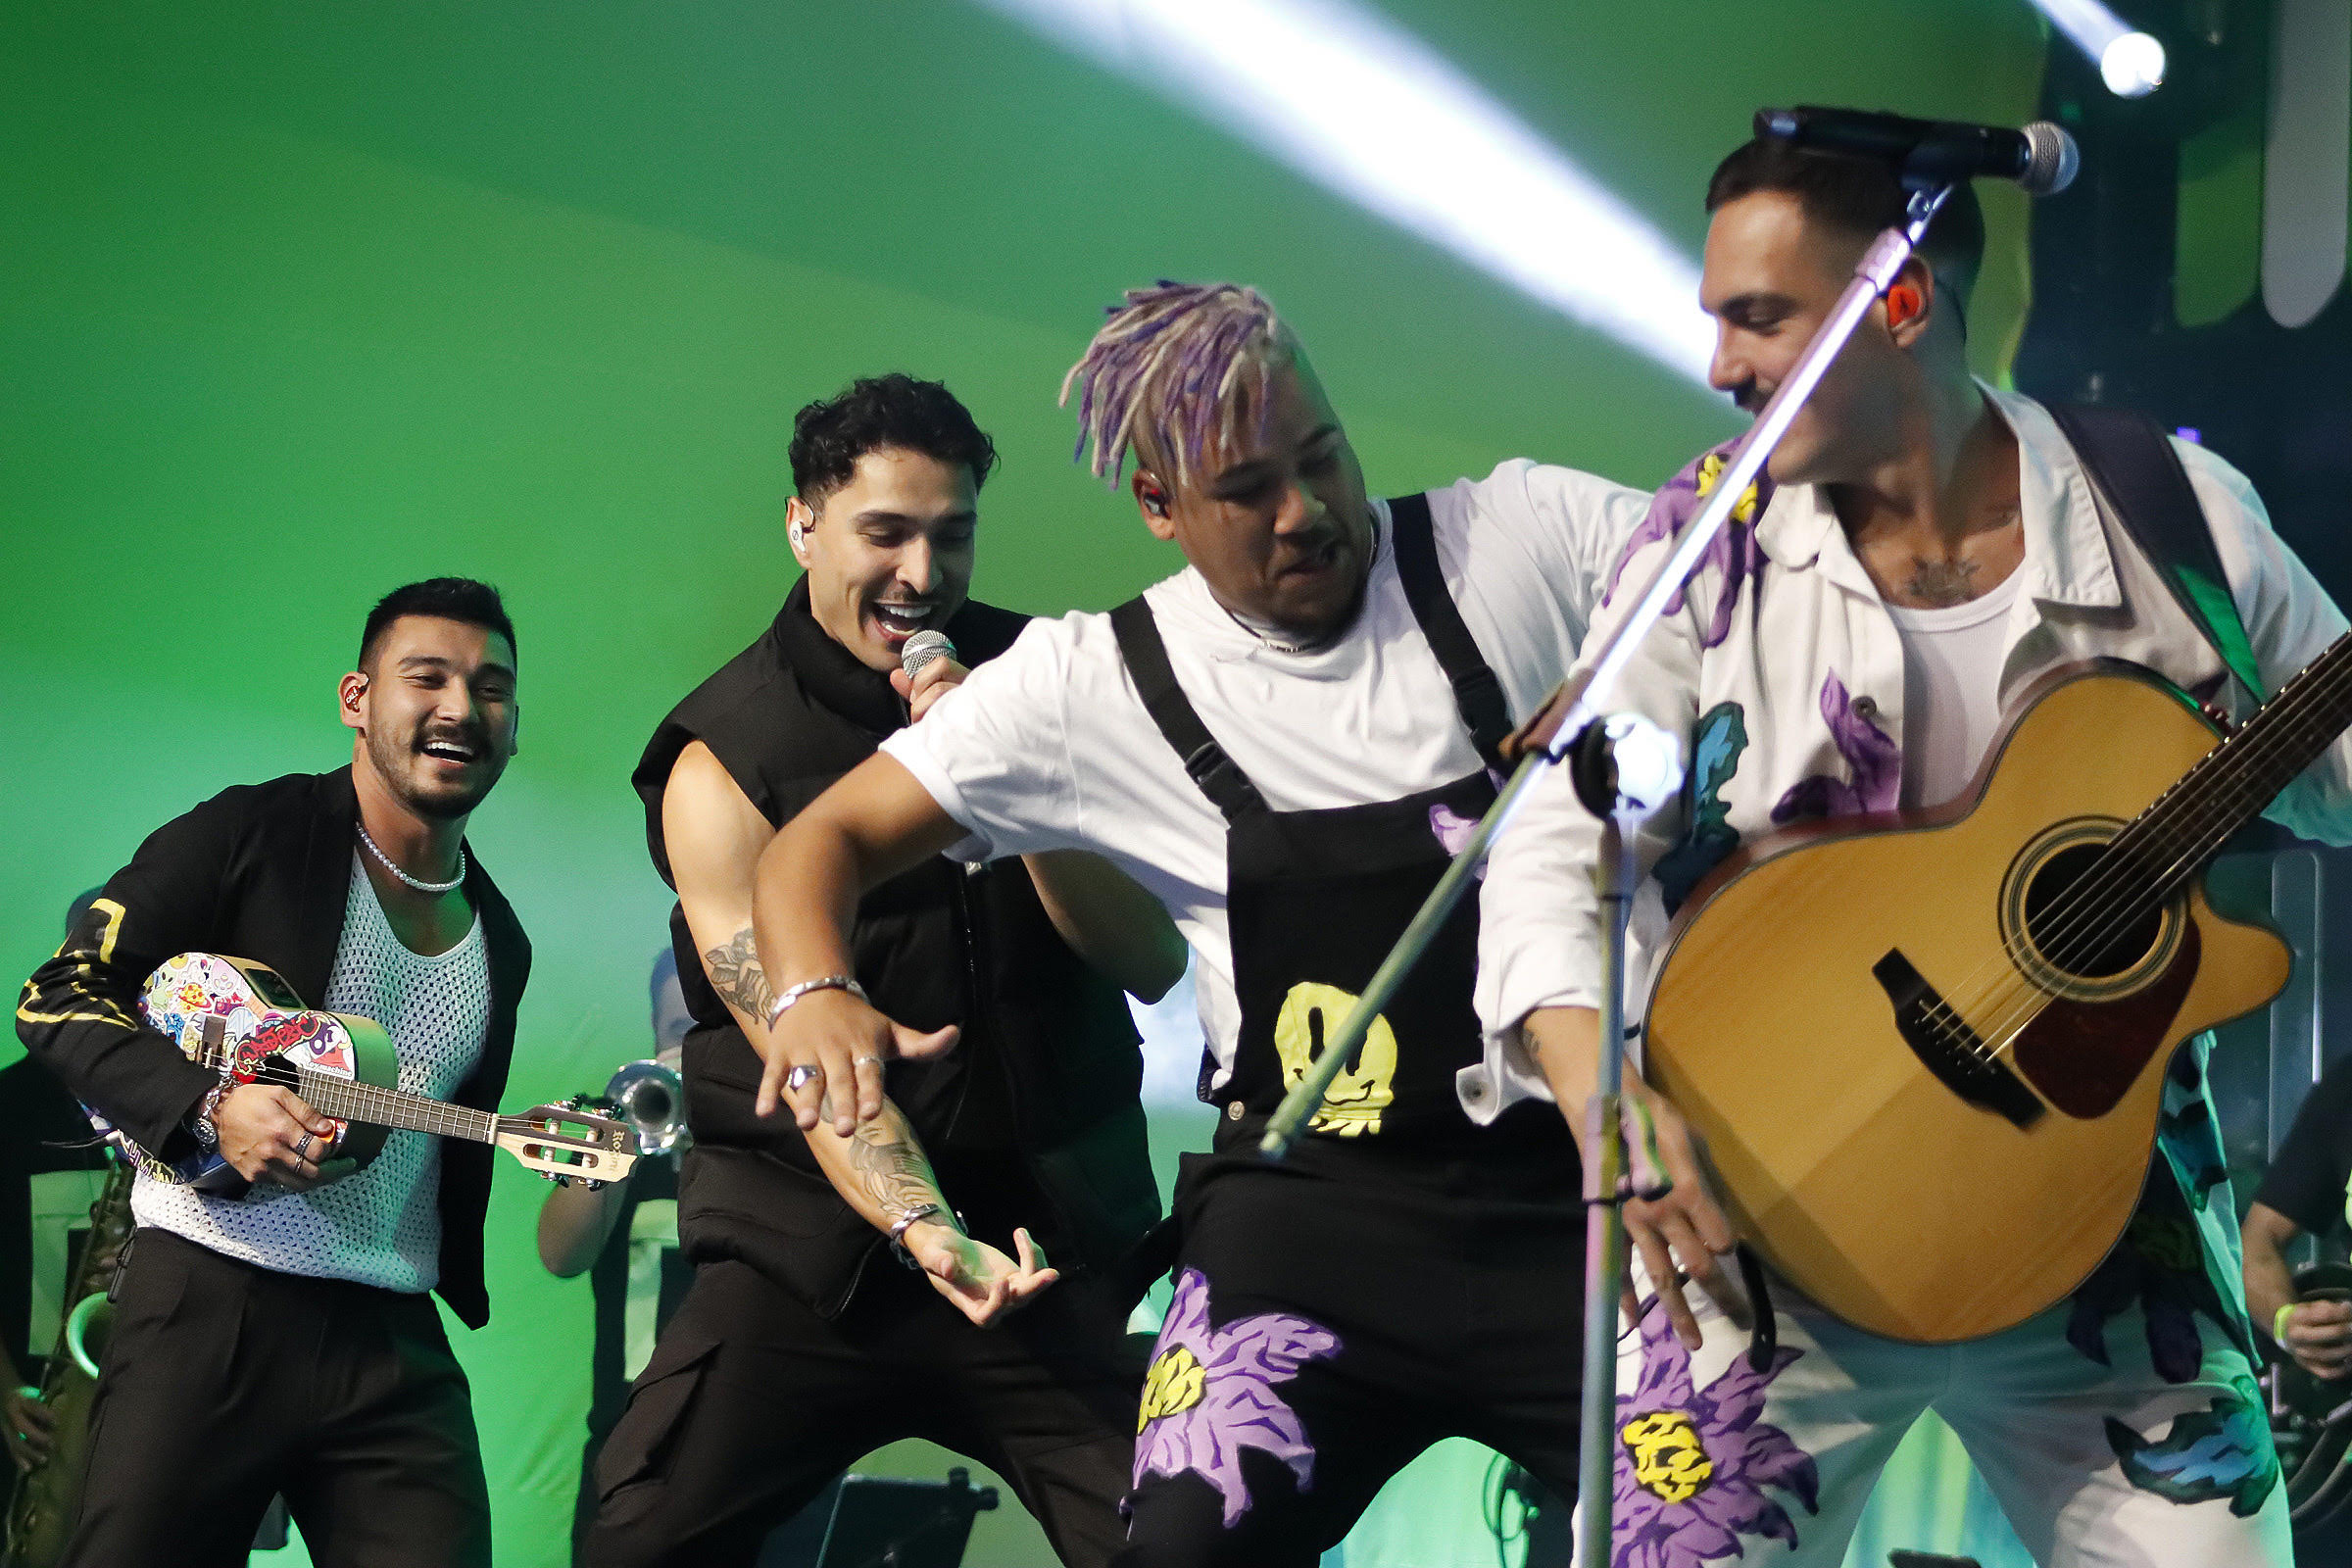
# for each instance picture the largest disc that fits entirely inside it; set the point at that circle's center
(1783, 673)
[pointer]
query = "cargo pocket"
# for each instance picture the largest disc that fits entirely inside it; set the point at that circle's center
(643, 1444)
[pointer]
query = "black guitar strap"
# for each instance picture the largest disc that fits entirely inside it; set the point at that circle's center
(2131, 461)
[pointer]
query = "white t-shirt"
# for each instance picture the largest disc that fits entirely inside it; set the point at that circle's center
(382, 1226)
(1048, 747)
(1952, 661)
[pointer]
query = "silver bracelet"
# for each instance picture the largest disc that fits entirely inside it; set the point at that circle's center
(906, 1222)
(793, 994)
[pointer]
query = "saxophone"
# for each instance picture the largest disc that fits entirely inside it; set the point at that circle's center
(40, 1518)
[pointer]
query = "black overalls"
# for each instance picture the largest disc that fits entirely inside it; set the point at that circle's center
(1406, 1275)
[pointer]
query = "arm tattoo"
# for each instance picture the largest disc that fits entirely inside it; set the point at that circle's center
(892, 1168)
(894, 1171)
(736, 975)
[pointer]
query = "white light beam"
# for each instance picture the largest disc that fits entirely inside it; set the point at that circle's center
(1360, 107)
(2131, 64)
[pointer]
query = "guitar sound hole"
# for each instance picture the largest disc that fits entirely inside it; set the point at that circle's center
(2081, 934)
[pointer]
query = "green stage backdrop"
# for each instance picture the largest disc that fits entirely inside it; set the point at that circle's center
(300, 300)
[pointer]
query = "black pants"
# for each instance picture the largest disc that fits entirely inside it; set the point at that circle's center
(225, 1384)
(751, 1404)
(1337, 1314)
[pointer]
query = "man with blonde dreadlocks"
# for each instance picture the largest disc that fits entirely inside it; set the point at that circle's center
(1283, 743)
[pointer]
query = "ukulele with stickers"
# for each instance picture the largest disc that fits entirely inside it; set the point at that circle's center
(244, 1022)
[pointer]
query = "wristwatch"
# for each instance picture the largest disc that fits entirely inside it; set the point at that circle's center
(200, 1120)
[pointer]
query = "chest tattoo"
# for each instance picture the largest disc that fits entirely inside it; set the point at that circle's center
(1941, 584)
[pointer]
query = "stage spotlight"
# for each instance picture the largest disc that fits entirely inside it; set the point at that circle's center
(2131, 64)
(1361, 107)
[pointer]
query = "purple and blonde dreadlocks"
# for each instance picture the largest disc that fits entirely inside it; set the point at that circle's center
(1177, 369)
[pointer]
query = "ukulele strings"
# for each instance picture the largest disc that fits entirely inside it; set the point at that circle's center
(391, 1108)
(2205, 804)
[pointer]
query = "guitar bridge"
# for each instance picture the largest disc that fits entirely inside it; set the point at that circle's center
(1949, 1047)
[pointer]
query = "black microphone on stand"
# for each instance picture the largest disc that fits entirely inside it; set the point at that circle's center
(2041, 157)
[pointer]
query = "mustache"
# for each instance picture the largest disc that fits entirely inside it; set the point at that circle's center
(1750, 397)
(1301, 548)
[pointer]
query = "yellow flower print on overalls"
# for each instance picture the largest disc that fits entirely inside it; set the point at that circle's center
(1670, 1463)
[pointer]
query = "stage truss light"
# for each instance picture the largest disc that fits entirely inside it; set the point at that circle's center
(1359, 106)
(2131, 64)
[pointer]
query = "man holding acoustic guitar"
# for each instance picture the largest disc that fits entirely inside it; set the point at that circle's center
(1923, 1072)
(281, 1342)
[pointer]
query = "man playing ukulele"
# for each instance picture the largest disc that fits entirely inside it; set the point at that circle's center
(282, 1342)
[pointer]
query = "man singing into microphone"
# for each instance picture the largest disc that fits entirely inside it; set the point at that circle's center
(802, 1342)
(1284, 742)
(1925, 548)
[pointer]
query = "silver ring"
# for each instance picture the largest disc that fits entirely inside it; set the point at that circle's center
(870, 1060)
(800, 1078)
(302, 1151)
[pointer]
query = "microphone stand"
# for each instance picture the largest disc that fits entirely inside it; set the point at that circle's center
(1574, 712)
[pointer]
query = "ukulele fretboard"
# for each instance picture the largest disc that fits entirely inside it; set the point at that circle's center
(390, 1107)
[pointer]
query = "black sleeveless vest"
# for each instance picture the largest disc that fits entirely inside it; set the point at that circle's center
(1033, 1119)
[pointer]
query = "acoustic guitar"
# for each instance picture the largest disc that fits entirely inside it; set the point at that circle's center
(243, 1020)
(1926, 1050)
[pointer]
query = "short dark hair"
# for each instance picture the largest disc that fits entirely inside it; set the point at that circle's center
(461, 599)
(831, 434)
(1860, 195)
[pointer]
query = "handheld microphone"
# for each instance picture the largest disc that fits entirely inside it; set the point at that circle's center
(2041, 157)
(922, 649)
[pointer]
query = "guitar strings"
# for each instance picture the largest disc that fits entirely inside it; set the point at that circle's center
(2289, 724)
(2109, 887)
(2300, 714)
(2206, 818)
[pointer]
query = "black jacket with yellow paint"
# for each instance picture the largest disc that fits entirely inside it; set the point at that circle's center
(259, 871)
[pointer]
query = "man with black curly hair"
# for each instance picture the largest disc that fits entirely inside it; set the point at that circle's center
(801, 1344)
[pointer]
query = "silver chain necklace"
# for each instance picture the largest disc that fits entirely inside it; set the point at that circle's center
(422, 885)
(1313, 645)
(1268, 642)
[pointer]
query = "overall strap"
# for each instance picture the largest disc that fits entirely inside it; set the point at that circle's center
(1146, 657)
(1477, 693)
(2132, 463)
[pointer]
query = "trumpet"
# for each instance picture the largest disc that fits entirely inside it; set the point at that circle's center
(651, 1098)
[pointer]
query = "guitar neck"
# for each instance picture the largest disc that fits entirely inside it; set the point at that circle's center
(2232, 783)
(390, 1107)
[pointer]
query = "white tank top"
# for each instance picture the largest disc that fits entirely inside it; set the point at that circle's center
(381, 1227)
(1951, 689)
